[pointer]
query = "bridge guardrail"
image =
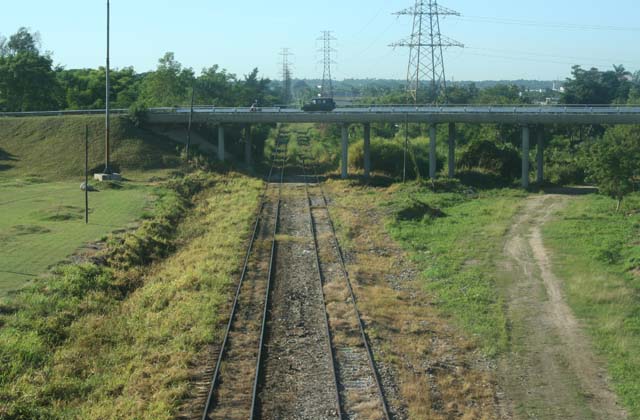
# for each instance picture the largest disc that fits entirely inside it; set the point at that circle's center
(372, 109)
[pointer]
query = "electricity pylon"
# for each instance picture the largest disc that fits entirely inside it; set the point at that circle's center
(326, 50)
(426, 79)
(286, 76)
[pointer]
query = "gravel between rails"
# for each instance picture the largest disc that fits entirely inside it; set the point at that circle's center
(298, 382)
(357, 384)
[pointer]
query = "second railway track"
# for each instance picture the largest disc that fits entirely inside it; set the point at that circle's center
(360, 391)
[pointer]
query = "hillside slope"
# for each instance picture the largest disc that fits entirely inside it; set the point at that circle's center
(53, 147)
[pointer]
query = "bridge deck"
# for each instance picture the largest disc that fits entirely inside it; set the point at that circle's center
(368, 114)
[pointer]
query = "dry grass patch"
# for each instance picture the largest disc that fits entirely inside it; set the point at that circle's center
(438, 373)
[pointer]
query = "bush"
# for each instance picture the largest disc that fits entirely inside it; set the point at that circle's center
(137, 113)
(387, 157)
(500, 159)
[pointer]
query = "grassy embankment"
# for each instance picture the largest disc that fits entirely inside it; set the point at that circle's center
(52, 148)
(121, 337)
(596, 251)
(41, 168)
(121, 340)
(43, 223)
(458, 251)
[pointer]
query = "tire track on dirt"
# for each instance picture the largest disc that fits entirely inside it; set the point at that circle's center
(552, 371)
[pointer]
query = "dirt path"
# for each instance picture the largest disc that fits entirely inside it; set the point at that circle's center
(551, 372)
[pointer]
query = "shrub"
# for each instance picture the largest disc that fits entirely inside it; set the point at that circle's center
(500, 159)
(387, 157)
(137, 113)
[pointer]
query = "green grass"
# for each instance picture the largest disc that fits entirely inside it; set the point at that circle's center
(122, 341)
(458, 253)
(53, 147)
(43, 223)
(596, 251)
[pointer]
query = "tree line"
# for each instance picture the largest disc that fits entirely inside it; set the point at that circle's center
(29, 81)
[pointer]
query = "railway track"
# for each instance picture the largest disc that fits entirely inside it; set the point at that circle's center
(359, 386)
(235, 381)
(295, 344)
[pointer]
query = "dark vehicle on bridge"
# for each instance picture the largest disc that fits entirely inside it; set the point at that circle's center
(320, 104)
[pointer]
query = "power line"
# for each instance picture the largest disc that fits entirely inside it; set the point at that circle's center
(426, 34)
(285, 72)
(524, 59)
(557, 25)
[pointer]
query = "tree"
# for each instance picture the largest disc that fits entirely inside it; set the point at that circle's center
(27, 77)
(214, 87)
(613, 162)
(24, 41)
(169, 85)
(597, 87)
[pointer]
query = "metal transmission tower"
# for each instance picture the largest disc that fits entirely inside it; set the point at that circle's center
(286, 76)
(426, 62)
(326, 50)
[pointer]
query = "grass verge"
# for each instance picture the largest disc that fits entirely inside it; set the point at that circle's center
(43, 223)
(431, 367)
(455, 237)
(597, 252)
(120, 340)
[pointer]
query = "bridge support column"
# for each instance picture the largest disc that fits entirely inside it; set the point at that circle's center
(345, 151)
(432, 152)
(540, 156)
(247, 145)
(525, 156)
(221, 143)
(367, 150)
(452, 150)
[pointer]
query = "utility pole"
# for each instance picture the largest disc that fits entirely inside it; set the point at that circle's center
(107, 163)
(426, 44)
(286, 76)
(327, 50)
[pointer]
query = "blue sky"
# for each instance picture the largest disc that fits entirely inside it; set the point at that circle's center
(240, 35)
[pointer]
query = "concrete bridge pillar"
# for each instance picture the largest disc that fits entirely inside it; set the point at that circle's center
(247, 145)
(367, 150)
(345, 151)
(432, 152)
(525, 156)
(221, 143)
(452, 150)
(540, 156)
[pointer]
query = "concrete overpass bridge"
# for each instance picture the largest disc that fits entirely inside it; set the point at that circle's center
(530, 118)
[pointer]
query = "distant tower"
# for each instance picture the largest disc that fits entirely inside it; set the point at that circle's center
(426, 80)
(327, 83)
(286, 76)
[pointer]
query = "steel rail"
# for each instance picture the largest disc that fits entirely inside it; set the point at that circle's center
(257, 379)
(209, 404)
(324, 303)
(365, 340)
